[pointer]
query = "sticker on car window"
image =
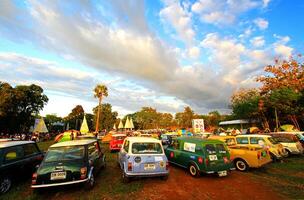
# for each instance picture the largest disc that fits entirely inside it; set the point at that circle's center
(158, 158)
(212, 157)
(189, 147)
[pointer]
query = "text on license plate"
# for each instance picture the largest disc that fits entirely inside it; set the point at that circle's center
(149, 166)
(222, 173)
(212, 157)
(58, 175)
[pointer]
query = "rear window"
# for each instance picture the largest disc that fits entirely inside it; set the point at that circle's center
(221, 148)
(242, 140)
(146, 148)
(285, 139)
(65, 153)
(210, 148)
(230, 142)
(273, 140)
(119, 137)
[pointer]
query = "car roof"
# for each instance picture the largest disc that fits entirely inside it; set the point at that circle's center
(74, 143)
(142, 139)
(14, 143)
(253, 135)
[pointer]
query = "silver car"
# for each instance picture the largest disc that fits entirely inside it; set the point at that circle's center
(142, 157)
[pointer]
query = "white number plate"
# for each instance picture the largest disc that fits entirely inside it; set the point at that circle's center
(212, 157)
(58, 175)
(222, 173)
(119, 145)
(149, 167)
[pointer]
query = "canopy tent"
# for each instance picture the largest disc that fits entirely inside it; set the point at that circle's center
(127, 124)
(131, 122)
(40, 126)
(288, 128)
(120, 126)
(66, 136)
(84, 126)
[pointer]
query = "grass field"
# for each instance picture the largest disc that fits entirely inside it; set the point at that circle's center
(286, 178)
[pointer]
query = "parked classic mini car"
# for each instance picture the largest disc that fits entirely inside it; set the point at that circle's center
(291, 142)
(276, 149)
(116, 142)
(17, 158)
(70, 162)
(200, 155)
(245, 157)
(142, 157)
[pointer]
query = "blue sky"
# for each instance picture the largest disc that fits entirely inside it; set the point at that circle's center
(166, 54)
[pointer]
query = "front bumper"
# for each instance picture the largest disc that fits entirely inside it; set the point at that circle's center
(59, 184)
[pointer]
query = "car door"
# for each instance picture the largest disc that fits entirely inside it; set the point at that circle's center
(13, 161)
(32, 156)
(94, 155)
(122, 156)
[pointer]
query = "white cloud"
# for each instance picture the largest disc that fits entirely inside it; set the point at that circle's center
(283, 50)
(258, 41)
(194, 52)
(261, 23)
(265, 3)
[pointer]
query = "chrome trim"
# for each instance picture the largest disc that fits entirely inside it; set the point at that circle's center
(148, 174)
(59, 184)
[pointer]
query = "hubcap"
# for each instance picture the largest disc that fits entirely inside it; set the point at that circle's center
(5, 185)
(240, 165)
(192, 170)
(92, 180)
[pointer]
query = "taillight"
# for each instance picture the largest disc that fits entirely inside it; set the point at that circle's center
(206, 161)
(83, 173)
(200, 160)
(231, 158)
(167, 165)
(34, 178)
(259, 155)
(129, 166)
(226, 160)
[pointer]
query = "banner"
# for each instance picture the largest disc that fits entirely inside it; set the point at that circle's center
(198, 125)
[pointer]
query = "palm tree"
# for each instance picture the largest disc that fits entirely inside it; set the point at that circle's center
(100, 91)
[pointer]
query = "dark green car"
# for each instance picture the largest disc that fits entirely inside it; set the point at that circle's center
(200, 155)
(71, 162)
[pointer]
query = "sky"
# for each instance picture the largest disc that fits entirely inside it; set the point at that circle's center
(164, 54)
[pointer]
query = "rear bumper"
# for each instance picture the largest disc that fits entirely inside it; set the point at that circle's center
(59, 184)
(150, 174)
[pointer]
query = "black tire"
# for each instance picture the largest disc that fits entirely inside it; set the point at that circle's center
(125, 178)
(5, 184)
(241, 165)
(273, 157)
(193, 170)
(164, 178)
(91, 182)
(288, 153)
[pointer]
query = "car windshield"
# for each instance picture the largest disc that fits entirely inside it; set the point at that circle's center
(119, 137)
(64, 153)
(146, 148)
(285, 139)
(273, 140)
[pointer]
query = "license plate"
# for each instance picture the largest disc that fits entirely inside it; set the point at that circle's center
(212, 157)
(119, 145)
(149, 167)
(58, 175)
(222, 173)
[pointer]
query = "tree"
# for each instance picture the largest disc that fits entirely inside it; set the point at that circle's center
(19, 105)
(75, 117)
(147, 118)
(107, 118)
(184, 119)
(50, 121)
(100, 91)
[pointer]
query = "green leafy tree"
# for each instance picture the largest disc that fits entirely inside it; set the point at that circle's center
(184, 119)
(107, 118)
(75, 117)
(51, 120)
(100, 91)
(147, 118)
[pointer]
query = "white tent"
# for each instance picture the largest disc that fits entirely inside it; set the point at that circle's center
(114, 127)
(127, 124)
(40, 127)
(131, 122)
(84, 126)
(120, 126)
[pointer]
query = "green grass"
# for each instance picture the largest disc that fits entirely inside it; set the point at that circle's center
(286, 178)
(108, 184)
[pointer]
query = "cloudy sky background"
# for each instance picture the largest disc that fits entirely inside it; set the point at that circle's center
(166, 54)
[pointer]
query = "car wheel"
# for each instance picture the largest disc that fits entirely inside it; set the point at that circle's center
(287, 153)
(193, 170)
(164, 178)
(274, 157)
(125, 178)
(5, 184)
(91, 182)
(241, 165)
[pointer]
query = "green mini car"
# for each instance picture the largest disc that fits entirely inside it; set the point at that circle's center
(71, 162)
(200, 156)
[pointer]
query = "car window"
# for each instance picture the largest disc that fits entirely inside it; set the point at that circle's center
(30, 149)
(256, 140)
(175, 144)
(13, 154)
(64, 153)
(221, 148)
(126, 145)
(146, 148)
(230, 141)
(93, 150)
(273, 140)
(242, 140)
(119, 138)
(210, 148)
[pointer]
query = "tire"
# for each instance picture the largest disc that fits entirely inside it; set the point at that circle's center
(274, 157)
(5, 184)
(193, 170)
(91, 182)
(288, 153)
(241, 165)
(125, 178)
(164, 178)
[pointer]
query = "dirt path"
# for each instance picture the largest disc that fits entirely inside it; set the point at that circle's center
(181, 185)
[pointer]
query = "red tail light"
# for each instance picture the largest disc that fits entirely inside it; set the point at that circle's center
(259, 155)
(167, 165)
(226, 160)
(129, 166)
(206, 161)
(34, 178)
(231, 158)
(83, 173)
(200, 160)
